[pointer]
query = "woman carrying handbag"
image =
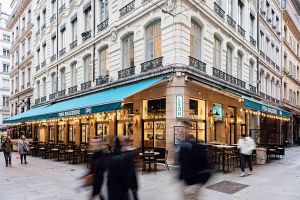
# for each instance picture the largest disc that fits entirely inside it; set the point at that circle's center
(23, 148)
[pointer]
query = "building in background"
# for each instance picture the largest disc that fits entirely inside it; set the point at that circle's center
(20, 25)
(5, 67)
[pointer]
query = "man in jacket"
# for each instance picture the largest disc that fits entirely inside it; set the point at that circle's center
(7, 148)
(246, 145)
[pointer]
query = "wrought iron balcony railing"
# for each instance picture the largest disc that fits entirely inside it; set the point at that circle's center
(52, 96)
(22, 87)
(37, 68)
(126, 9)
(126, 72)
(16, 91)
(241, 31)
(252, 41)
(37, 33)
(103, 25)
(23, 57)
(43, 99)
(43, 27)
(37, 101)
(252, 88)
(273, 63)
(102, 80)
(268, 59)
(62, 8)
(277, 101)
(277, 67)
(28, 53)
(219, 10)
(53, 17)
(231, 22)
(71, 1)
(61, 93)
(197, 64)
(151, 64)
(17, 64)
(268, 98)
(62, 52)
(73, 89)
(261, 53)
(227, 77)
(263, 95)
(73, 44)
(43, 64)
(53, 58)
(86, 85)
(86, 35)
(28, 84)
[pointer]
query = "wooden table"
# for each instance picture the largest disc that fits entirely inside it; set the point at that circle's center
(149, 157)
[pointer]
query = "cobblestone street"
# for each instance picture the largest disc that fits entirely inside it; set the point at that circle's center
(45, 179)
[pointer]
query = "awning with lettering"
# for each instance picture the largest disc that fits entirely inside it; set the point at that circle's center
(108, 100)
(266, 108)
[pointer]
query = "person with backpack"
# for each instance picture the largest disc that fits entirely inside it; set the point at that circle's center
(23, 148)
(7, 148)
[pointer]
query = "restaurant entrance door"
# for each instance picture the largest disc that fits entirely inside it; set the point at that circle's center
(154, 134)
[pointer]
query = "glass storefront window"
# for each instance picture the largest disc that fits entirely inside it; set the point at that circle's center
(85, 133)
(154, 108)
(103, 130)
(61, 133)
(125, 129)
(51, 134)
(72, 133)
(155, 134)
(197, 109)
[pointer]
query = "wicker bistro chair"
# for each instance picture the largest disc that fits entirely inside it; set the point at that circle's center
(164, 160)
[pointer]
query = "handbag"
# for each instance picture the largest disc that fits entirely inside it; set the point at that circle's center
(26, 147)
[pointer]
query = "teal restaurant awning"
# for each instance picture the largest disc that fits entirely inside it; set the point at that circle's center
(108, 100)
(263, 107)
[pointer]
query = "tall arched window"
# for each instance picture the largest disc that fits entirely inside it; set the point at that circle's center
(239, 65)
(195, 40)
(73, 74)
(87, 68)
(44, 87)
(128, 51)
(153, 40)
(38, 93)
(217, 52)
(103, 62)
(54, 82)
(63, 79)
(103, 10)
(229, 59)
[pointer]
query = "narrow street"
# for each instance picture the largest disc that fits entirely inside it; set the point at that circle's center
(45, 179)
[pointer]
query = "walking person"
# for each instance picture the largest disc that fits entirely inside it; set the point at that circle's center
(194, 167)
(7, 148)
(23, 148)
(246, 145)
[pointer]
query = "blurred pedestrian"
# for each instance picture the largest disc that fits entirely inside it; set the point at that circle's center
(23, 148)
(98, 166)
(129, 154)
(7, 148)
(194, 167)
(246, 145)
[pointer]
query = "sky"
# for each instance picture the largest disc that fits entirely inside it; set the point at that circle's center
(6, 6)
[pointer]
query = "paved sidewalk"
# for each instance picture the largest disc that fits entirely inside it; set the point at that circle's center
(45, 179)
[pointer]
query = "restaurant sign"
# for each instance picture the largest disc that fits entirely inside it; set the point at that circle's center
(179, 106)
(69, 113)
(269, 110)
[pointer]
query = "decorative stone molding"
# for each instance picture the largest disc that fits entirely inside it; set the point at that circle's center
(170, 5)
(114, 34)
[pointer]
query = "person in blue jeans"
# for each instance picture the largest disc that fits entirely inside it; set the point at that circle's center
(7, 148)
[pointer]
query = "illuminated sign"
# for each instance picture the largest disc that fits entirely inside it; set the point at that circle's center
(179, 106)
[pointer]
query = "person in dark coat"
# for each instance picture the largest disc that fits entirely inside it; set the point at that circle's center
(194, 167)
(7, 148)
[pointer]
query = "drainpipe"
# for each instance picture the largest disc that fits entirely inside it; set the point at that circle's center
(57, 44)
(258, 43)
(94, 33)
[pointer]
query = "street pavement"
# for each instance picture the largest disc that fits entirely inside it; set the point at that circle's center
(51, 180)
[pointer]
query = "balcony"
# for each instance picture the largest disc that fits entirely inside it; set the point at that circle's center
(43, 99)
(62, 8)
(43, 64)
(241, 31)
(23, 57)
(37, 33)
(37, 68)
(53, 58)
(28, 53)
(126, 72)
(252, 88)
(43, 27)
(102, 80)
(263, 95)
(277, 101)
(252, 41)
(227, 77)
(268, 59)
(52, 96)
(86, 85)
(73, 44)
(53, 17)
(73, 89)
(61, 93)
(219, 10)
(152, 64)
(86, 35)
(197, 64)
(71, 1)
(28, 84)
(277, 68)
(273, 63)
(126, 9)
(22, 87)
(231, 22)
(261, 53)
(62, 52)
(268, 98)
(103, 25)
(16, 91)
(37, 101)
(273, 100)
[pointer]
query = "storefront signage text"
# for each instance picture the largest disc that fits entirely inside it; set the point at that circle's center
(269, 110)
(69, 113)
(179, 106)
